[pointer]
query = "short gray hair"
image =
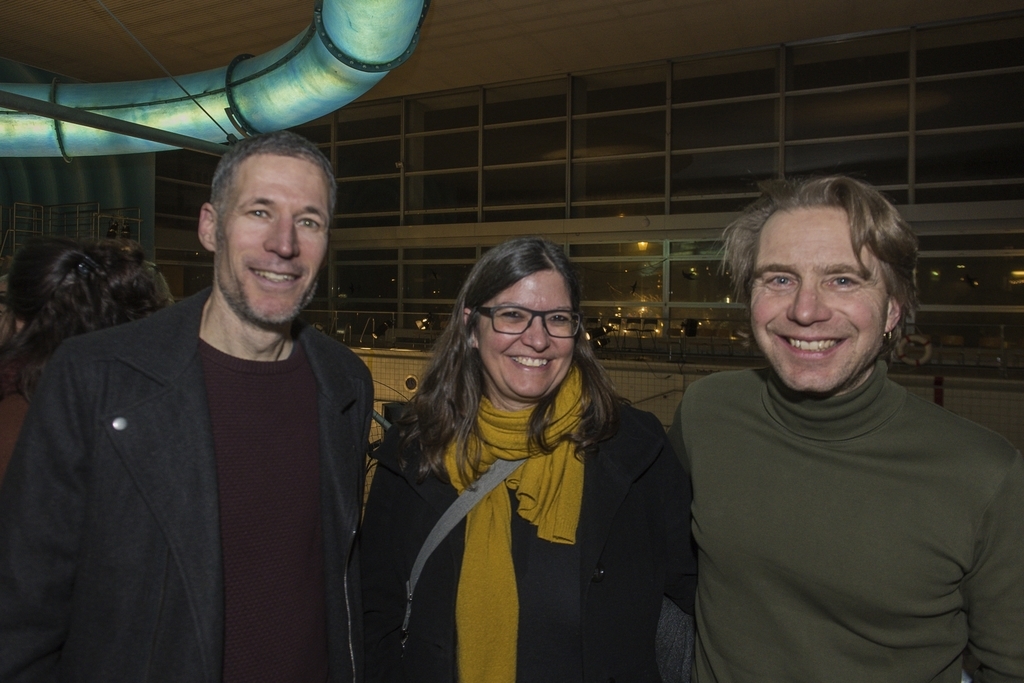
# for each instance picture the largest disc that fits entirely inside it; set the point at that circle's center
(282, 143)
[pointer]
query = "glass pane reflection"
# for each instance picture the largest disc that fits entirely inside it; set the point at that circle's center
(369, 121)
(736, 123)
(436, 152)
(458, 110)
(722, 172)
(844, 62)
(539, 214)
(621, 280)
(531, 185)
(541, 142)
(856, 112)
(620, 179)
(615, 249)
(618, 210)
(971, 101)
(972, 281)
(970, 156)
(615, 135)
(699, 281)
(971, 47)
(753, 73)
(616, 90)
(880, 162)
(441, 191)
(434, 280)
(368, 196)
(370, 158)
(366, 282)
(524, 102)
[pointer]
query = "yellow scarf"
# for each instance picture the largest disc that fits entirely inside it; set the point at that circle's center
(549, 489)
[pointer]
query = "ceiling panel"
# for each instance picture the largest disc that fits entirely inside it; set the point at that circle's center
(464, 42)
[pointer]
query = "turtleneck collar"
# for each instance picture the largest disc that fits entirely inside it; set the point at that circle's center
(837, 418)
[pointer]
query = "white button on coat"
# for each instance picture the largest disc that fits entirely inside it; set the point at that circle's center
(120, 424)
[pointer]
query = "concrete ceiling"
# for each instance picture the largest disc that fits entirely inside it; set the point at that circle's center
(463, 42)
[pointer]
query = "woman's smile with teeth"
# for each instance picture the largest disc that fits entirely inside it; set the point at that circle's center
(530, 362)
(816, 345)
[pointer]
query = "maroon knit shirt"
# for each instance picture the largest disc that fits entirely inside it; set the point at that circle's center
(266, 439)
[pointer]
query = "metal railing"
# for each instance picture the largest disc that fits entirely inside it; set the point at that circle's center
(22, 222)
(996, 346)
(993, 346)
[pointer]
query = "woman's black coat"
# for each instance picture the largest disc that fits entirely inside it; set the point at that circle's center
(634, 536)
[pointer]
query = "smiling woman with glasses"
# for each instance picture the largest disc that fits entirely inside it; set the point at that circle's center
(561, 570)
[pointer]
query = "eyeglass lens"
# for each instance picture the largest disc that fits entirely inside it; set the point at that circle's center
(515, 320)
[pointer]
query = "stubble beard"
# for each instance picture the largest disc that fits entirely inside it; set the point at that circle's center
(234, 295)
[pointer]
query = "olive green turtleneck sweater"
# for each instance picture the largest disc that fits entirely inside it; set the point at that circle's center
(863, 537)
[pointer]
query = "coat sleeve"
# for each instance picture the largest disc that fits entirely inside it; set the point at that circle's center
(994, 589)
(42, 503)
(675, 437)
(400, 514)
(383, 573)
(681, 569)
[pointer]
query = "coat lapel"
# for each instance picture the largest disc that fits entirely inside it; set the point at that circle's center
(341, 483)
(607, 481)
(437, 494)
(166, 444)
(440, 495)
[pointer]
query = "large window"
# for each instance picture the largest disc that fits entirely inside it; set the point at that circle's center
(672, 295)
(929, 115)
(972, 289)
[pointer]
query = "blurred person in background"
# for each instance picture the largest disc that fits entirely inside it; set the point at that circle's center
(3, 305)
(58, 288)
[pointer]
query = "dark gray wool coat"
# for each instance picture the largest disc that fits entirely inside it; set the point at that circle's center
(110, 558)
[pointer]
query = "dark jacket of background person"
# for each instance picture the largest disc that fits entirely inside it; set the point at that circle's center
(634, 545)
(129, 476)
(13, 407)
(59, 288)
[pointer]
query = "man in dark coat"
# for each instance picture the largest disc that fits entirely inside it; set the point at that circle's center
(183, 500)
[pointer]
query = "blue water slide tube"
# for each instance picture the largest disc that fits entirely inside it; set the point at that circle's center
(349, 46)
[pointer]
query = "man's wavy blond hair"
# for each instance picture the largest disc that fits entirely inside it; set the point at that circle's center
(874, 224)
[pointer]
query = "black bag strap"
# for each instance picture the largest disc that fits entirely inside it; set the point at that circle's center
(452, 516)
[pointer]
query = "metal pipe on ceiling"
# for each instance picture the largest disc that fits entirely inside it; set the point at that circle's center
(348, 47)
(84, 117)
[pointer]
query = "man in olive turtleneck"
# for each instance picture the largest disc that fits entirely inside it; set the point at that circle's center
(847, 530)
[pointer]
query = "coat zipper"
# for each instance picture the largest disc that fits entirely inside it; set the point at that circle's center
(348, 609)
(168, 560)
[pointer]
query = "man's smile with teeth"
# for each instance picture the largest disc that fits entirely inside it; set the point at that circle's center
(530, 362)
(274, 277)
(816, 345)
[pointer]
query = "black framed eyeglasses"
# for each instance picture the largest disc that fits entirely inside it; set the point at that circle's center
(516, 320)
